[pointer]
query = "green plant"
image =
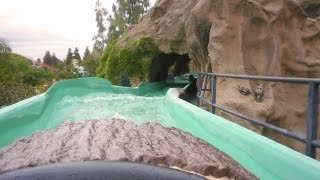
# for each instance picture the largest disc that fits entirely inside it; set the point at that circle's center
(36, 77)
(17, 79)
(64, 75)
(133, 59)
(101, 70)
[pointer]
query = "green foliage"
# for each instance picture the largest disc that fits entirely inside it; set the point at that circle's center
(63, 75)
(111, 68)
(12, 92)
(69, 57)
(132, 10)
(125, 13)
(12, 68)
(91, 62)
(18, 80)
(47, 58)
(55, 60)
(61, 65)
(133, 60)
(4, 46)
(76, 54)
(100, 37)
(36, 77)
(51, 60)
(101, 70)
(86, 53)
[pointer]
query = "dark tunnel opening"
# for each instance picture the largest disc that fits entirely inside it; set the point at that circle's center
(168, 64)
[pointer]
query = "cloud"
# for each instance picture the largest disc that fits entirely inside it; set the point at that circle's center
(26, 34)
(34, 26)
(32, 41)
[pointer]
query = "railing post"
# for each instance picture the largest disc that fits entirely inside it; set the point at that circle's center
(312, 119)
(199, 87)
(213, 92)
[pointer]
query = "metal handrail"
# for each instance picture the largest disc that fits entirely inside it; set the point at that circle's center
(268, 78)
(313, 103)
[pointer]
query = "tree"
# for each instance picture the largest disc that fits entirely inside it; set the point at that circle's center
(92, 62)
(38, 61)
(100, 37)
(69, 57)
(36, 77)
(4, 46)
(18, 80)
(76, 54)
(125, 13)
(54, 60)
(86, 53)
(67, 75)
(61, 65)
(47, 58)
(132, 10)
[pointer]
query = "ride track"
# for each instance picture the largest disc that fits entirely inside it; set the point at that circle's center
(263, 157)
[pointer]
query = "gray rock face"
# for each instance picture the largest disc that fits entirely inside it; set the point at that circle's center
(255, 37)
(120, 140)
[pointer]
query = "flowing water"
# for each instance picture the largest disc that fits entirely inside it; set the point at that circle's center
(139, 109)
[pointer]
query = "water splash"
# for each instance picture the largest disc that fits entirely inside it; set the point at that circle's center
(138, 109)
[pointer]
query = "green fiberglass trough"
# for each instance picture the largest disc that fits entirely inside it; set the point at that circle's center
(94, 98)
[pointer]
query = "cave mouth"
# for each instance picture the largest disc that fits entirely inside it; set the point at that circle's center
(164, 65)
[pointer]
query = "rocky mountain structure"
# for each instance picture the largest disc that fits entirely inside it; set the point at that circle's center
(254, 37)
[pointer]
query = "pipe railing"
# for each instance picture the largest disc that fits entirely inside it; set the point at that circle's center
(313, 103)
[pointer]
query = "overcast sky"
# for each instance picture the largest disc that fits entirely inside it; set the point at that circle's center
(34, 26)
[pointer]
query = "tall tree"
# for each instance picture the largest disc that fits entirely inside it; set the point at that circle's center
(100, 37)
(76, 54)
(69, 57)
(54, 60)
(38, 61)
(47, 58)
(125, 13)
(92, 62)
(4, 46)
(86, 53)
(132, 10)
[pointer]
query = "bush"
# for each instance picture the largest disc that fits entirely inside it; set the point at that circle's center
(13, 71)
(19, 81)
(68, 75)
(12, 92)
(36, 77)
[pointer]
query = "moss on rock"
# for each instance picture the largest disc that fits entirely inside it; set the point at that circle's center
(101, 70)
(133, 59)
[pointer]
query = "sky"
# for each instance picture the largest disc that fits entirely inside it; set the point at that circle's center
(34, 26)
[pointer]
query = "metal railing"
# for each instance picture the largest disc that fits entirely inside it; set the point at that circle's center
(313, 103)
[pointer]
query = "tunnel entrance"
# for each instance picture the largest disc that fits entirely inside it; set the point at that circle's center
(168, 64)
